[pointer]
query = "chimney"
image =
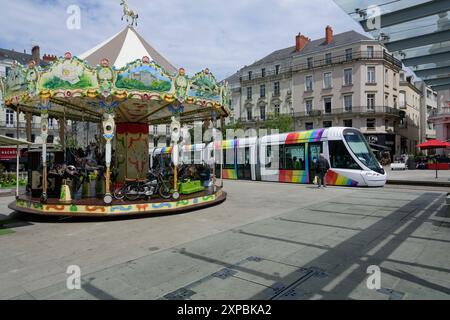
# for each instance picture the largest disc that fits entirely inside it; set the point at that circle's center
(49, 58)
(328, 35)
(300, 42)
(36, 54)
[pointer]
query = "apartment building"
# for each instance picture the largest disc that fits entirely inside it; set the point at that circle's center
(441, 119)
(345, 79)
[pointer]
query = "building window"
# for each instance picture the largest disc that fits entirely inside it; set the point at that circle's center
(155, 142)
(395, 102)
(402, 100)
(371, 101)
(50, 138)
(348, 54)
(277, 69)
(309, 125)
(276, 109)
(262, 91)
(327, 105)
(348, 123)
(263, 72)
(370, 52)
(168, 130)
(308, 106)
(262, 112)
(9, 118)
(348, 103)
(309, 83)
(348, 77)
(327, 80)
(249, 113)
(386, 77)
(371, 74)
(276, 89)
(371, 124)
(310, 63)
(327, 124)
(155, 130)
(328, 58)
(51, 123)
(249, 93)
(250, 75)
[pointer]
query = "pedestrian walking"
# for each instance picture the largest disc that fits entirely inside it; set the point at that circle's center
(322, 166)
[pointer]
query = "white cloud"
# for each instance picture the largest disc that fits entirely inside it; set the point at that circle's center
(221, 35)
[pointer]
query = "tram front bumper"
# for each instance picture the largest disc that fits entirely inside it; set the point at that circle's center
(374, 179)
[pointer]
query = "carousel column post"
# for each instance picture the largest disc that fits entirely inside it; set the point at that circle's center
(222, 128)
(109, 128)
(17, 154)
(214, 123)
(44, 135)
(175, 128)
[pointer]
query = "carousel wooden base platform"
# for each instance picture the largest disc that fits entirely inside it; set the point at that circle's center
(96, 208)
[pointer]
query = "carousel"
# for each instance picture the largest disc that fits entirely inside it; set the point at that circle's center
(123, 86)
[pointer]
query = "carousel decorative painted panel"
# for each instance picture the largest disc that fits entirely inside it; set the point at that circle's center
(67, 75)
(144, 75)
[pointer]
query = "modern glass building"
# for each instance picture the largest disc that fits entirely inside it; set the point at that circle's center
(418, 33)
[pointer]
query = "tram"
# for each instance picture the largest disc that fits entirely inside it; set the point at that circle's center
(289, 158)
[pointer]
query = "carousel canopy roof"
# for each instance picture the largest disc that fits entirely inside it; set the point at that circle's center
(112, 78)
(124, 47)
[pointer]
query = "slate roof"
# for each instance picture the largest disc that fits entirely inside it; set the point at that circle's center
(313, 46)
(22, 58)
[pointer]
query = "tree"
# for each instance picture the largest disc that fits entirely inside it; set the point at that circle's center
(281, 122)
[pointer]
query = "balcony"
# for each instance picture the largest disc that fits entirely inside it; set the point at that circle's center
(22, 125)
(441, 112)
(356, 56)
(354, 111)
(268, 75)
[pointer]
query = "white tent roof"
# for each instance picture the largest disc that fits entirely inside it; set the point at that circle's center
(124, 47)
(7, 141)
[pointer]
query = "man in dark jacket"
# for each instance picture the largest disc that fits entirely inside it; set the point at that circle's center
(322, 167)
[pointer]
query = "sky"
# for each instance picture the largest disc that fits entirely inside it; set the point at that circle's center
(221, 35)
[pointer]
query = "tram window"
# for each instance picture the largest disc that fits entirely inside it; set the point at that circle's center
(292, 157)
(268, 161)
(340, 157)
(228, 159)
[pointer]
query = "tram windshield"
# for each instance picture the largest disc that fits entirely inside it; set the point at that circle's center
(360, 148)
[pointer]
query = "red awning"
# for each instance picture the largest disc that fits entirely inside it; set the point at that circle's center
(434, 144)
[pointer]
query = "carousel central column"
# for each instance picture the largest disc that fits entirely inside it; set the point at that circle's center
(109, 127)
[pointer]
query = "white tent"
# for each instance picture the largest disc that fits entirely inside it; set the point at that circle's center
(124, 47)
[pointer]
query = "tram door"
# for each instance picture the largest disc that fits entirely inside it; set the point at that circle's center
(244, 171)
(314, 151)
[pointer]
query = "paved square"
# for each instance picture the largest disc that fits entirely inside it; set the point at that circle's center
(267, 241)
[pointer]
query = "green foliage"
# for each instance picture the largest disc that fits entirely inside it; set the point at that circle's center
(282, 122)
(8, 180)
(155, 85)
(58, 83)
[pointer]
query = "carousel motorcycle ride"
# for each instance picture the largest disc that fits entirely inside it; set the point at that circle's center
(155, 184)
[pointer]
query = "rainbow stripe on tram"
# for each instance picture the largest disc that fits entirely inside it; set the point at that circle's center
(226, 144)
(229, 174)
(293, 176)
(335, 179)
(166, 150)
(304, 136)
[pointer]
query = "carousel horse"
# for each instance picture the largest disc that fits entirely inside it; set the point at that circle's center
(129, 14)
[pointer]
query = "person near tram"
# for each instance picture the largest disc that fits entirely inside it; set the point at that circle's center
(322, 166)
